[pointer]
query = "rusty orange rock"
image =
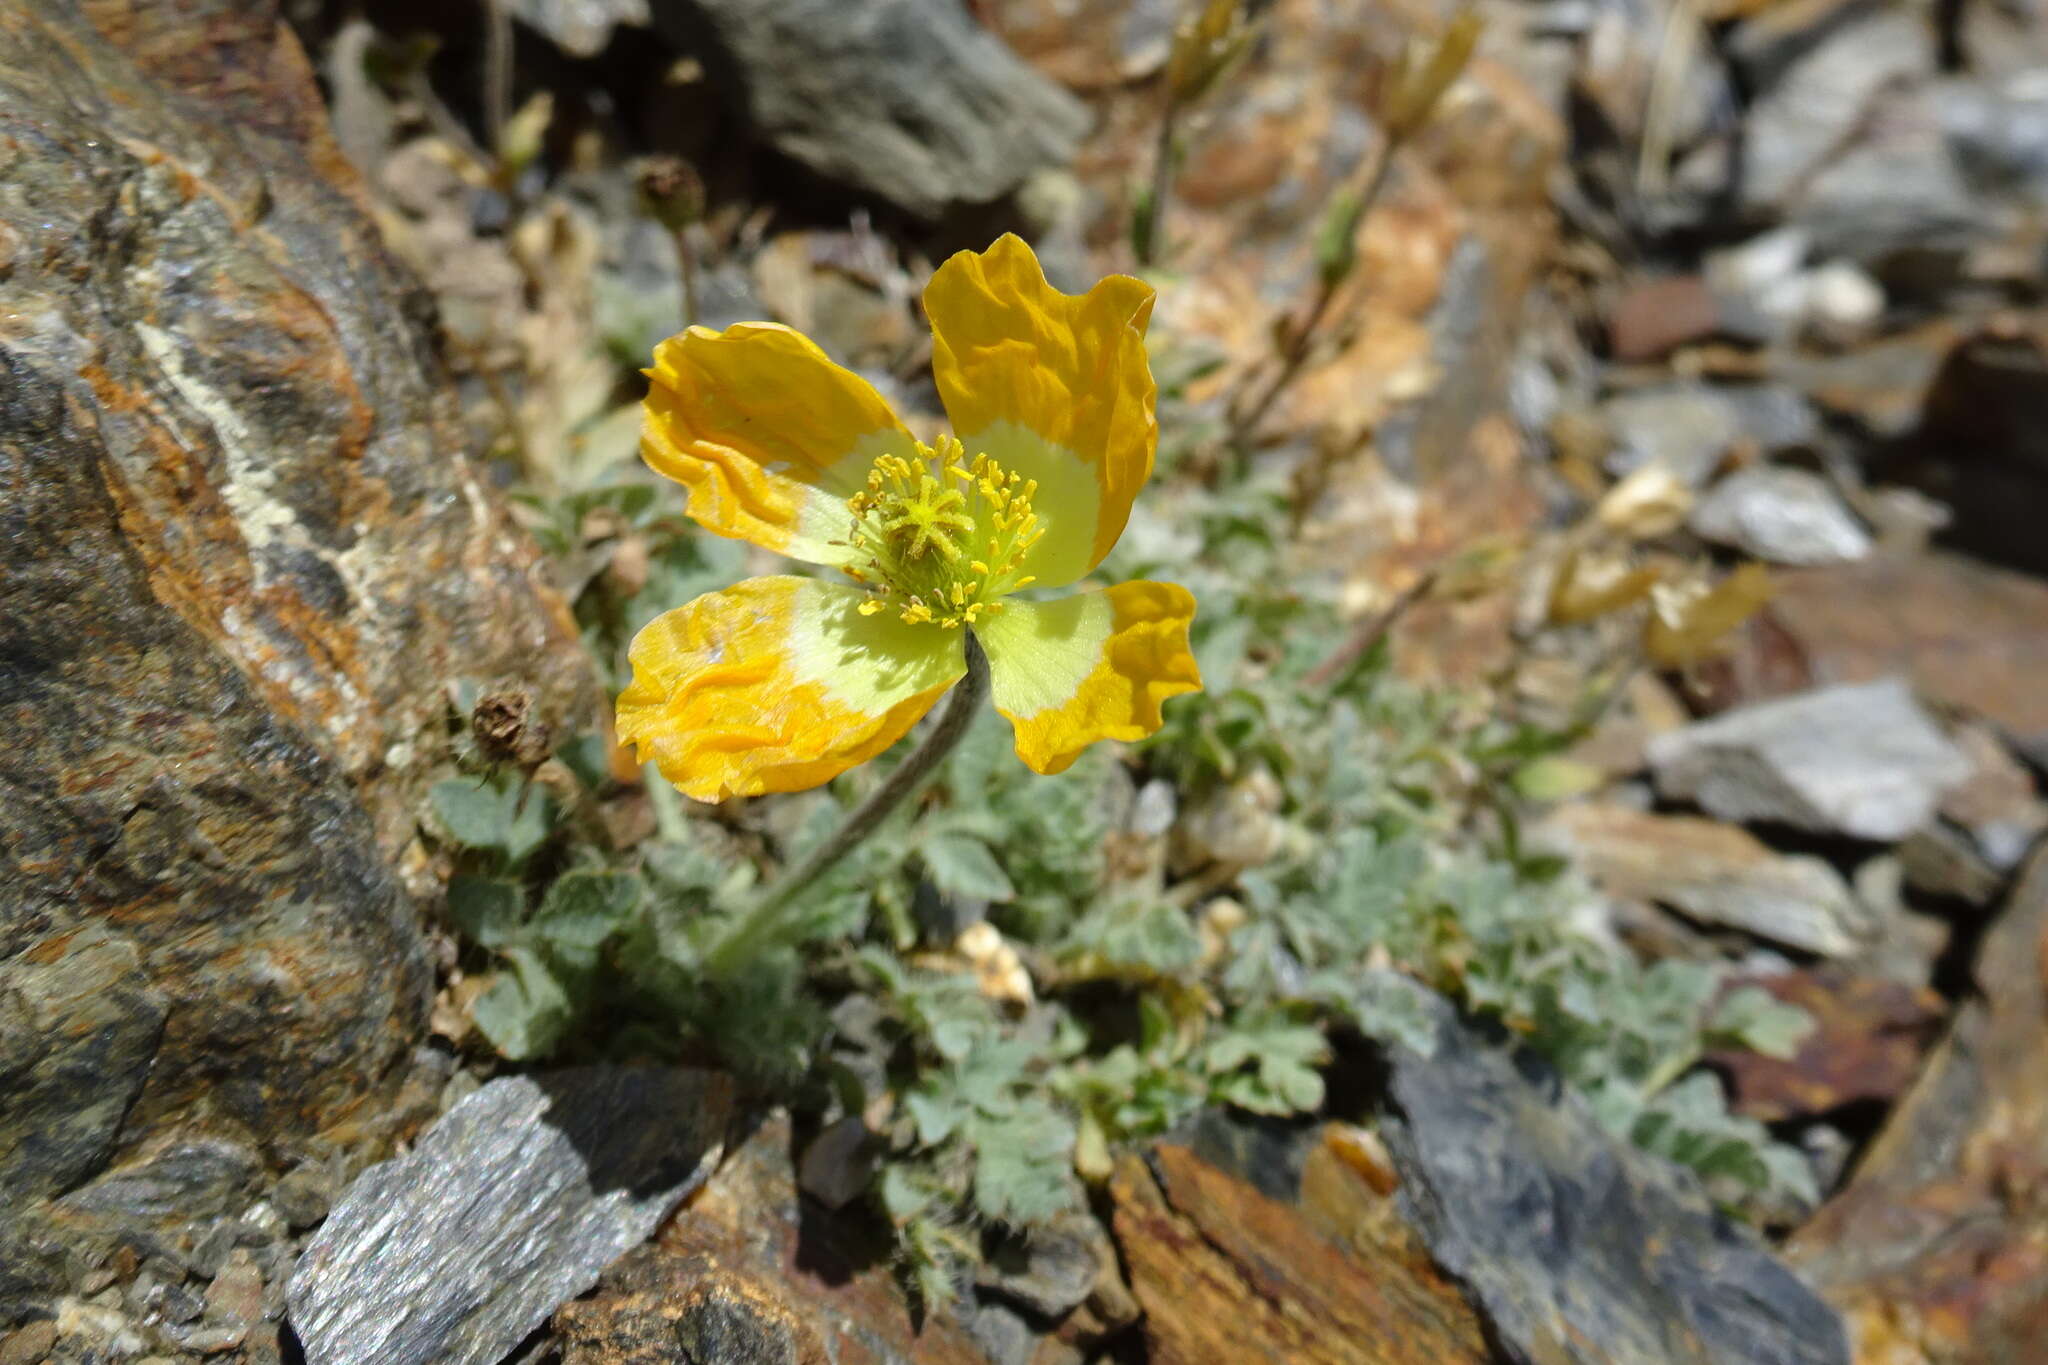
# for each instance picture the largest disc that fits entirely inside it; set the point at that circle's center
(242, 558)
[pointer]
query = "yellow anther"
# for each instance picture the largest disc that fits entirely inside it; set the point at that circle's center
(915, 523)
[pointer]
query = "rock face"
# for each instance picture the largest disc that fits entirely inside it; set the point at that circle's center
(1579, 1249)
(1933, 1249)
(1227, 1272)
(1865, 762)
(910, 100)
(241, 559)
(514, 1202)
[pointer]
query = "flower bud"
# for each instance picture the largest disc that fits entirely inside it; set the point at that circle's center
(1417, 82)
(524, 135)
(1205, 46)
(672, 191)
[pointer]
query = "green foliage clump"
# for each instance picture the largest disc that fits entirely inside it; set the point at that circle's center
(1386, 868)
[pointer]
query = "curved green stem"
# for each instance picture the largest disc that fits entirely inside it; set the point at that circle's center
(766, 921)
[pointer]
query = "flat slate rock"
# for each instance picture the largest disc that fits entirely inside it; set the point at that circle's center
(910, 100)
(1578, 1248)
(1714, 873)
(1865, 761)
(512, 1204)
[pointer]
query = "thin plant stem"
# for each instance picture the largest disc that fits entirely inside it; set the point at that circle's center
(1245, 420)
(686, 257)
(1164, 154)
(1369, 635)
(766, 921)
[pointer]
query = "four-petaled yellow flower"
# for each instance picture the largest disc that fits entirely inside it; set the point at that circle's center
(781, 683)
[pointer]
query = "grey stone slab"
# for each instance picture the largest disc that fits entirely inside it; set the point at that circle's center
(513, 1203)
(1864, 761)
(911, 100)
(1577, 1248)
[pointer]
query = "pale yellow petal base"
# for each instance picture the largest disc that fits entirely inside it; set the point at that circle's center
(1094, 666)
(778, 684)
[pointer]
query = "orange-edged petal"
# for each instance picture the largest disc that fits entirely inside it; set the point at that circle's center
(1055, 386)
(778, 684)
(1092, 666)
(769, 435)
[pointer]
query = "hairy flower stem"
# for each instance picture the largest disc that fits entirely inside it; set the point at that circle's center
(766, 922)
(686, 258)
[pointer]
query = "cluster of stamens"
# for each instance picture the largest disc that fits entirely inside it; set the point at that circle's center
(939, 537)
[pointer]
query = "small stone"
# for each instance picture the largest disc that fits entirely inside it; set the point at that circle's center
(30, 1344)
(1152, 814)
(1053, 1268)
(236, 1296)
(1842, 298)
(1689, 427)
(1759, 269)
(165, 1270)
(1237, 824)
(1941, 860)
(1998, 805)
(210, 1252)
(1685, 428)
(1863, 761)
(262, 1346)
(93, 1320)
(171, 1303)
(304, 1195)
(263, 1222)
(838, 1164)
(1657, 317)
(1001, 1332)
(1781, 516)
(207, 1341)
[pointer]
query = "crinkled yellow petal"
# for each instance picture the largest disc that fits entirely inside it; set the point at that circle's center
(1092, 666)
(769, 435)
(778, 684)
(1055, 386)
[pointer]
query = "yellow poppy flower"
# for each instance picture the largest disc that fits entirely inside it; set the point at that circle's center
(781, 683)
